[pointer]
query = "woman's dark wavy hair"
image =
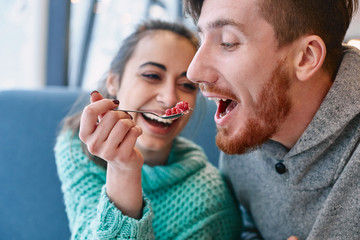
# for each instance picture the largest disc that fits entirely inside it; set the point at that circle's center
(118, 64)
(291, 19)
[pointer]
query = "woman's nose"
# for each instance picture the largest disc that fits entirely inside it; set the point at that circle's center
(167, 95)
(201, 68)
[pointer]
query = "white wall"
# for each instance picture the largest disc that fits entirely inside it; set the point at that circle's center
(23, 25)
(354, 28)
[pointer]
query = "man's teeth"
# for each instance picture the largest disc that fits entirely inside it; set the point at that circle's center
(217, 99)
(153, 117)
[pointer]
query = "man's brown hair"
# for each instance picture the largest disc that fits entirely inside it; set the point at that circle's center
(291, 19)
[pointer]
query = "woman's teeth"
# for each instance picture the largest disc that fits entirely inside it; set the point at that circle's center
(153, 117)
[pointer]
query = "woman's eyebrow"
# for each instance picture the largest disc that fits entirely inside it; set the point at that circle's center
(154, 64)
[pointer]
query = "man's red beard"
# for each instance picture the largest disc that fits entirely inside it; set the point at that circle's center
(271, 108)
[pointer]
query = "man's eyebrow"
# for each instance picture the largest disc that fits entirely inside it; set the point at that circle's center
(222, 22)
(154, 64)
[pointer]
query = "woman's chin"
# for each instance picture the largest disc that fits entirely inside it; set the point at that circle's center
(152, 144)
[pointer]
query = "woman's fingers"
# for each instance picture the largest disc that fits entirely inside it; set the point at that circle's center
(111, 135)
(89, 117)
(129, 157)
(129, 141)
(108, 122)
(134, 159)
(95, 96)
(119, 147)
(115, 137)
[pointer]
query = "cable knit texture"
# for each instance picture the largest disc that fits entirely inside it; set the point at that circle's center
(186, 199)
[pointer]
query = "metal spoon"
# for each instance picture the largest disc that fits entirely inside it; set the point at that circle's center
(173, 116)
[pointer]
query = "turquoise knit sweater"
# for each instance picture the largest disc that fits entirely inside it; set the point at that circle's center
(186, 199)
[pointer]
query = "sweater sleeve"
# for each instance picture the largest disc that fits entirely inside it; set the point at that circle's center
(90, 212)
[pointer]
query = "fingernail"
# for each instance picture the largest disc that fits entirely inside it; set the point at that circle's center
(116, 101)
(93, 92)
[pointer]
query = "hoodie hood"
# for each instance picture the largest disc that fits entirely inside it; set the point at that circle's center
(340, 106)
(323, 150)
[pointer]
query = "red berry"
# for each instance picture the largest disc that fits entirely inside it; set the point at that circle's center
(174, 110)
(186, 106)
(180, 105)
(168, 112)
(179, 108)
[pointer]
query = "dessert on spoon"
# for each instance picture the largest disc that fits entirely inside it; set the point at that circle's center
(180, 109)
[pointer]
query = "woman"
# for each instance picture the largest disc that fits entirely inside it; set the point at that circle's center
(176, 194)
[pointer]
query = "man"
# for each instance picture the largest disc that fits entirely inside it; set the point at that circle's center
(288, 117)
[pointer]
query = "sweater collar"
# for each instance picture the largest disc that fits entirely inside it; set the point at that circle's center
(185, 159)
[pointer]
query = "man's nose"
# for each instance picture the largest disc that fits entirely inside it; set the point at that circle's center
(201, 68)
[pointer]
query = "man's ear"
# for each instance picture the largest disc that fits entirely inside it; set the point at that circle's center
(309, 57)
(112, 83)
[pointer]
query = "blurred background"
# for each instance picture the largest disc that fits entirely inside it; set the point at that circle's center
(71, 43)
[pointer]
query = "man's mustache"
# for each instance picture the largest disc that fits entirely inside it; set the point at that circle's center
(211, 88)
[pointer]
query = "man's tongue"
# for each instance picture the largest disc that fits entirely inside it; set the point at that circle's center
(225, 107)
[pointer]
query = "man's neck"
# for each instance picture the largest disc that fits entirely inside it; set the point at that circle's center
(306, 97)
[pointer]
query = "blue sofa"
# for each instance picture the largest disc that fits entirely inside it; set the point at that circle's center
(31, 202)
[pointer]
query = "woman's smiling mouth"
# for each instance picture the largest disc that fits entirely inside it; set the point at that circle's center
(156, 121)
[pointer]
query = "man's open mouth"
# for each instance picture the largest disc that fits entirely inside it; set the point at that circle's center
(156, 121)
(225, 106)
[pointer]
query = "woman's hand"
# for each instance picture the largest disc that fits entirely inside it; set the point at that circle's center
(111, 135)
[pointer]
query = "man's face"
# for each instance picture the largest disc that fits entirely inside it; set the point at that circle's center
(240, 66)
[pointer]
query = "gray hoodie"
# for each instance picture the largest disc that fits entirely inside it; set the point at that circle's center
(318, 196)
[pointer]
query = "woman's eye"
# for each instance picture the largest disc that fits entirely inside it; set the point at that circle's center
(228, 45)
(189, 86)
(151, 76)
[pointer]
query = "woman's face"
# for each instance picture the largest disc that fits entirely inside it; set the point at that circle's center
(154, 80)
